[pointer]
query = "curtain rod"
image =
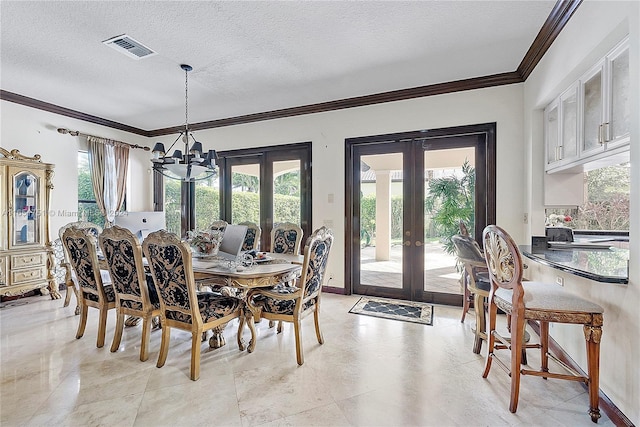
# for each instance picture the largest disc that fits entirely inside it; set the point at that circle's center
(77, 133)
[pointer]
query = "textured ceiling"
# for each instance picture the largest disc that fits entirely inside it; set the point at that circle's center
(250, 57)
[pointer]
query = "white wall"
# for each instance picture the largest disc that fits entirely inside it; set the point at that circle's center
(35, 132)
(593, 30)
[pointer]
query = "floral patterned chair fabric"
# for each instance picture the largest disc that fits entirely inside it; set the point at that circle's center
(293, 303)
(286, 238)
(180, 305)
(70, 279)
(81, 247)
(134, 297)
(219, 225)
(540, 302)
(252, 238)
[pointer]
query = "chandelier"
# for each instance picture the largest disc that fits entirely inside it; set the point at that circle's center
(191, 165)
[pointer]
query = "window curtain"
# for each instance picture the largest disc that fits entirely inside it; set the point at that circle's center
(109, 163)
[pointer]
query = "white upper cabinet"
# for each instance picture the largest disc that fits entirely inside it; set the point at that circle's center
(591, 118)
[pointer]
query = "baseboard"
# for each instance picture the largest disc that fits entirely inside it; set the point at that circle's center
(606, 405)
(333, 290)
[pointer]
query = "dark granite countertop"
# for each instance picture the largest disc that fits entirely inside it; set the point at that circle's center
(602, 265)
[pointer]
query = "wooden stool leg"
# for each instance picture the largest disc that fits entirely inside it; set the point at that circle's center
(465, 297)
(478, 307)
(592, 335)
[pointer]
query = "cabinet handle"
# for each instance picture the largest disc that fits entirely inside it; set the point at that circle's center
(606, 132)
(600, 137)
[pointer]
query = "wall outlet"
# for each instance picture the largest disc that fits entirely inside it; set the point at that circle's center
(559, 281)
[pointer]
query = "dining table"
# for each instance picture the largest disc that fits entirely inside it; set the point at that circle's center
(266, 272)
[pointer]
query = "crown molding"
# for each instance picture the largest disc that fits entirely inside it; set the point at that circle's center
(557, 19)
(56, 109)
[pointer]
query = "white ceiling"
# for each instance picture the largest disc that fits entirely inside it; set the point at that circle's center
(250, 57)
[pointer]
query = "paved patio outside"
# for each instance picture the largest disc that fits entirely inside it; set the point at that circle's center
(440, 273)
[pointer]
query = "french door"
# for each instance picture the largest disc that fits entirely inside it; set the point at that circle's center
(405, 196)
(267, 186)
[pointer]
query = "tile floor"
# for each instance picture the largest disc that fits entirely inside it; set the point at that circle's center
(369, 372)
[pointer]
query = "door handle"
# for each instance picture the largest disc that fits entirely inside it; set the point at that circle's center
(407, 243)
(418, 243)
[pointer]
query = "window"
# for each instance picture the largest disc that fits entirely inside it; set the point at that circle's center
(606, 201)
(87, 207)
(264, 185)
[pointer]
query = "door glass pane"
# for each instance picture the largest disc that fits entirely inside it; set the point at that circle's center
(449, 198)
(592, 111)
(25, 214)
(172, 204)
(286, 192)
(569, 126)
(552, 134)
(207, 202)
(381, 214)
(245, 193)
(620, 106)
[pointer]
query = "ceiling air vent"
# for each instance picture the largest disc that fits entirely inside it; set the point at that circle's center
(130, 47)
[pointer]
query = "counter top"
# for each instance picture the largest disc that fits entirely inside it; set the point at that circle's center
(602, 265)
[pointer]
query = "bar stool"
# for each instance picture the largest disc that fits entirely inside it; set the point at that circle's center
(542, 302)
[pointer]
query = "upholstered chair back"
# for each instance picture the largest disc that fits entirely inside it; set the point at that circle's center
(252, 238)
(123, 254)
(93, 229)
(286, 238)
(218, 225)
(316, 255)
(170, 264)
(81, 247)
(467, 248)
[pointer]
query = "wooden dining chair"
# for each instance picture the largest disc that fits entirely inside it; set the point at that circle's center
(81, 246)
(181, 306)
(541, 302)
(70, 280)
(123, 254)
(286, 238)
(291, 303)
(252, 238)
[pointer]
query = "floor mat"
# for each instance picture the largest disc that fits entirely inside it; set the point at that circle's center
(407, 311)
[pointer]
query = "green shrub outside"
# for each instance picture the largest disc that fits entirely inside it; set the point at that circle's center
(245, 207)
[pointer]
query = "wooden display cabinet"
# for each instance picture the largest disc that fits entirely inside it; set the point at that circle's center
(26, 255)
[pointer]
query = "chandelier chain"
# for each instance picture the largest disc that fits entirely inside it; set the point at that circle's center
(186, 100)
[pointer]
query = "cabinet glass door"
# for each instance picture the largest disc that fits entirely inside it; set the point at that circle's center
(25, 209)
(592, 116)
(620, 106)
(569, 108)
(552, 131)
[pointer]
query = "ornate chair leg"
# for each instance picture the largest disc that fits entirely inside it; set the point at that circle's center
(117, 336)
(299, 353)
(83, 321)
